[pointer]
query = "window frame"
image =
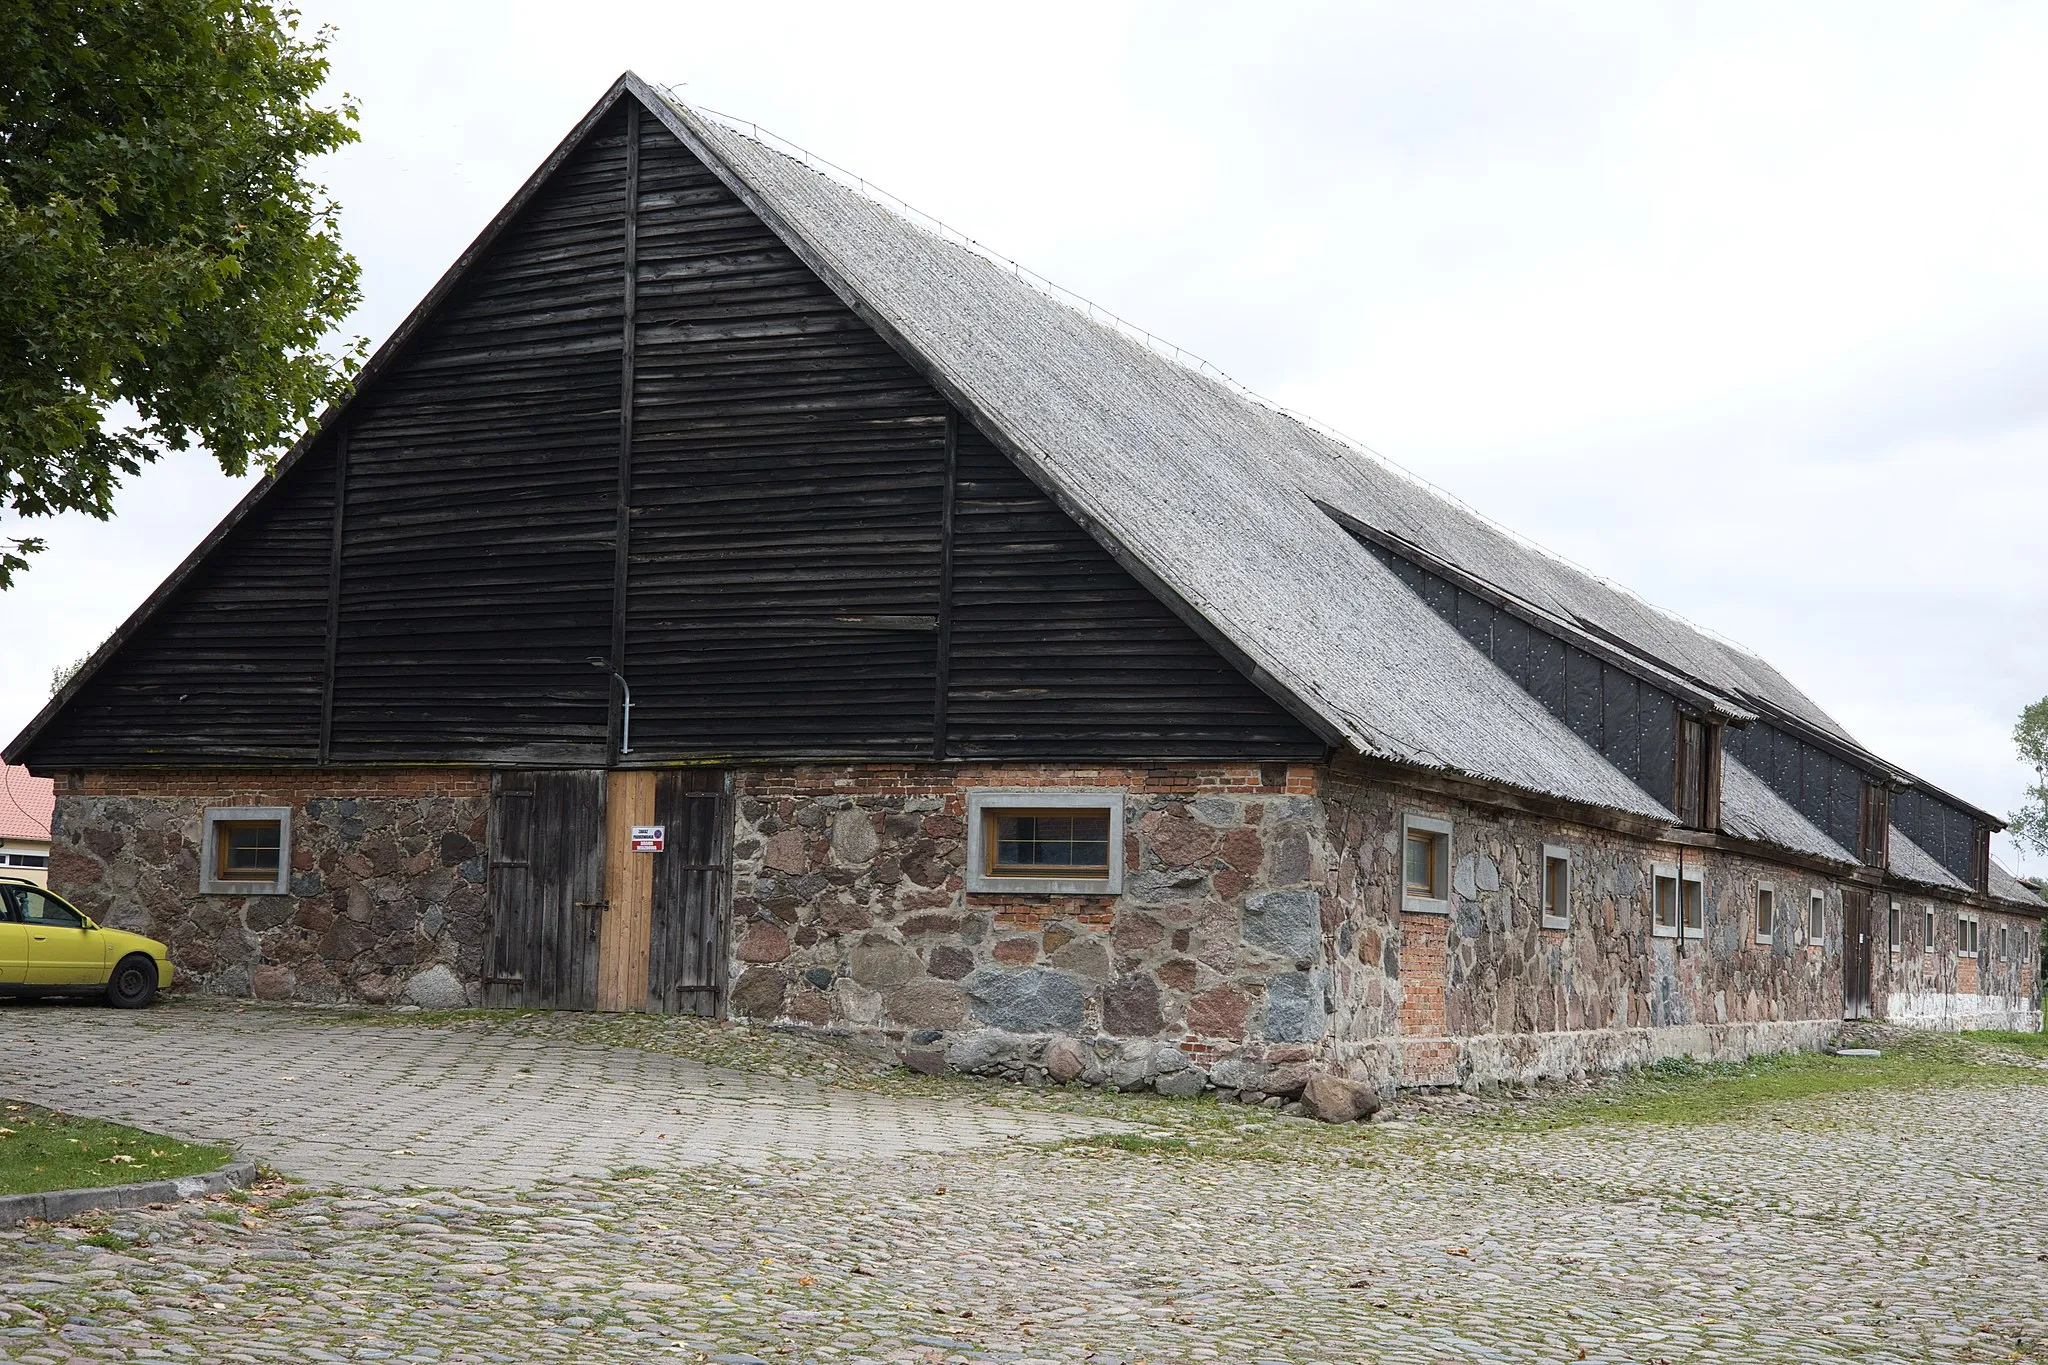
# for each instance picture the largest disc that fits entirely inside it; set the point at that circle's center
(1817, 918)
(1439, 828)
(1766, 894)
(1927, 928)
(1552, 916)
(984, 804)
(1693, 877)
(217, 817)
(1659, 873)
(1965, 919)
(1895, 925)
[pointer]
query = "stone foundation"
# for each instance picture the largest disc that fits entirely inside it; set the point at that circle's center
(387, 899)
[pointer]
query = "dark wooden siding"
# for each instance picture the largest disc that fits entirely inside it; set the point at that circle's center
(1632, 723)
(788, 479)
(1057, 650)
(482, 490)
(1949, 834)
(229, 668)
(1825, 789)
(785, 574)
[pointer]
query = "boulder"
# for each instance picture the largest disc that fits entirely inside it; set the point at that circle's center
(1184, 1084)
(1294, 1007)
(929, 1060)
(1028, 1000)
(853, 836)
(436, 989)
(1130, 1008)
(1337, 1099)
(1285, 923)
(1064, 1059)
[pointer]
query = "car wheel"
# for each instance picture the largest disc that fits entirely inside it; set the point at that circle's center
(133, 983)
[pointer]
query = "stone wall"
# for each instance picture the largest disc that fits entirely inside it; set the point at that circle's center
(387, 897)
(1935, 986)
(1490, 970)
(850, 913)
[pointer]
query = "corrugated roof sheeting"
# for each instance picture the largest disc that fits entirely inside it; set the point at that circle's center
(2006, 887)
(1751, 810)
(1210, 492)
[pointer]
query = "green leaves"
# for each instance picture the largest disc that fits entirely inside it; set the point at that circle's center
(167, 273)
(2029, 824)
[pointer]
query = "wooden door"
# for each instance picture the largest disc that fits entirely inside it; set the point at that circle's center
(692, 891)
(629, 890)
(546, 889)
(1855, 953)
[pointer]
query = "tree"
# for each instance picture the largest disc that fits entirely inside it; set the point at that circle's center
(166, 271)
(2029, 824)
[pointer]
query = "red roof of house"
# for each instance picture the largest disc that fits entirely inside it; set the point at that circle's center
(25, 804)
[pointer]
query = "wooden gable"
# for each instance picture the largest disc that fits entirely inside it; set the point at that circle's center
(635, 427)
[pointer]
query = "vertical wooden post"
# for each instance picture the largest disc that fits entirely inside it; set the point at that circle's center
(333, 593)
(945, 640)
(623, 532)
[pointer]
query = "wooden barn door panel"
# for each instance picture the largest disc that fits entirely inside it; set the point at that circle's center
(692, 887)
(629, 893)
(1855, 953)
(546, 889)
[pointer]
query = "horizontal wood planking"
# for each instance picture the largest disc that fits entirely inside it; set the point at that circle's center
(478, 538)
(1632, 723)
(1057, 651)
(788, 479)
(230, 667)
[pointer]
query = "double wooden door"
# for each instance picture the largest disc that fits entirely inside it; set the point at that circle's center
(583, 917)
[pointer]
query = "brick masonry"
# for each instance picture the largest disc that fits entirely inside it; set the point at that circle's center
(387, 898)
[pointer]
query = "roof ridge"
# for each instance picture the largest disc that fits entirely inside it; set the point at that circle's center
(1195, 364)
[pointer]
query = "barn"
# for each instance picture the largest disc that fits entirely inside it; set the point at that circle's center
(724, 594)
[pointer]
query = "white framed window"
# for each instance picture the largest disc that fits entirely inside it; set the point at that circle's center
(1817, 918)
(1966, 936)
(1692, 902)
(1895, 925)
(1766, 911)
(1664, 900)
(1557, 887)
(1425, 865)
(2002, 954)
(1926, 928)
(1038, 842)
(246, 851)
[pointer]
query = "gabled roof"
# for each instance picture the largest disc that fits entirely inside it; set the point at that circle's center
(26, 804)
(1208, 496)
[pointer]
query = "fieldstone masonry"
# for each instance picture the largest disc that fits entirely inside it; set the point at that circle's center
(1259, 944)
(387, 898)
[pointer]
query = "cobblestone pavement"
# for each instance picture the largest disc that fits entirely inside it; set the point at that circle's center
(1874, 1226)
(362, 1103)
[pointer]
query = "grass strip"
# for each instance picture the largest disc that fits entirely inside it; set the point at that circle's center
(42, 1150)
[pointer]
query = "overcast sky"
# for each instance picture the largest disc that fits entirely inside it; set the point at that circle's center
(1745, 307)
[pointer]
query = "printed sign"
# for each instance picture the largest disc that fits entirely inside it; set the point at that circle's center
(649, 838)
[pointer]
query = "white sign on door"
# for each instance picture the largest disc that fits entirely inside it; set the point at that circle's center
(649, 838)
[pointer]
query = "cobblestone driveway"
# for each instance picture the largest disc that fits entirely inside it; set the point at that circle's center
(358, 1103)
(1876, 1227)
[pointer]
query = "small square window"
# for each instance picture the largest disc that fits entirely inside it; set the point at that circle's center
(1766, 913)
(1425, 865)
(1033, 842)
(1557, 887)
(248, 851)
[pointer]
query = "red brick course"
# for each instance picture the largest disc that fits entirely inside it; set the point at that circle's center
(226, 786)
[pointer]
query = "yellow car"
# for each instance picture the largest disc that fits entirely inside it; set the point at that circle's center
(47, 947)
